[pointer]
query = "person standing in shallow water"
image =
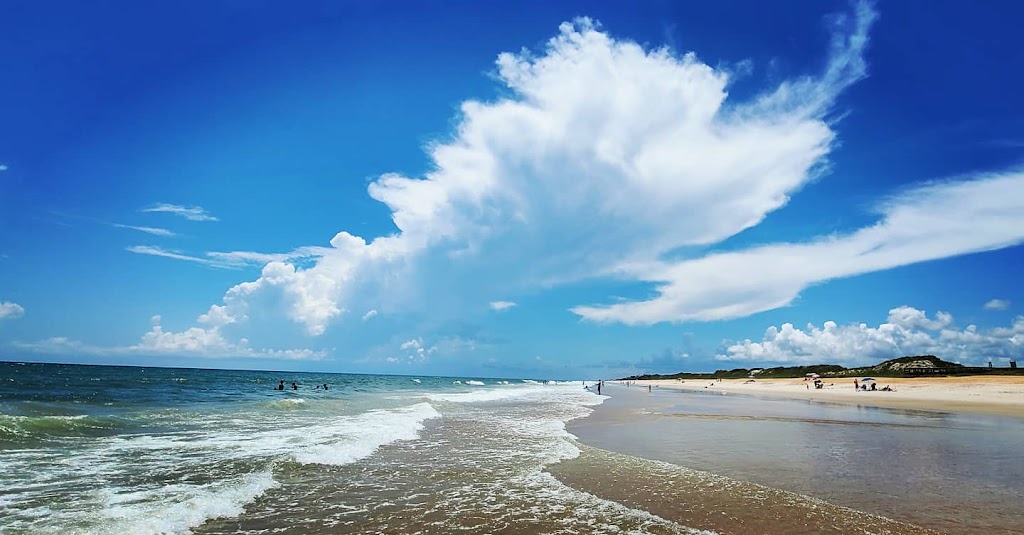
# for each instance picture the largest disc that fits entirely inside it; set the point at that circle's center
(280, 385)
(295, 386)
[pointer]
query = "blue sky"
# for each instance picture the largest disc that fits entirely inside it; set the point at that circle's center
(557, 190)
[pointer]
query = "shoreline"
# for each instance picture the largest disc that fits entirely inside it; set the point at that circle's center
(974, 394)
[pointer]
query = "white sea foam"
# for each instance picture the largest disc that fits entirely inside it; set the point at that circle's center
(178, 508)
(475, 383)
(535, 391)
(177, 504)
(417, 381)
(480, 396)
(289, 403)
(358, 437)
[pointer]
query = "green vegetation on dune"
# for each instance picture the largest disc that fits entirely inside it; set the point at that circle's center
(911, 366)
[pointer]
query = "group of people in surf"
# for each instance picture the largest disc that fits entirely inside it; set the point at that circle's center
(280, 386)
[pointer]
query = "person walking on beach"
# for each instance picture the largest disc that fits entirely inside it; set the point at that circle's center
(599, 388)
(855, 386)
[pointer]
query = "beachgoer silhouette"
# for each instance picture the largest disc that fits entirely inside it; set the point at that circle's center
(325, 386)
(855, 387)
(280, 386)
(295, 386)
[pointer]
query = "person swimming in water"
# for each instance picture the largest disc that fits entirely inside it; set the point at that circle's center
(295, 386)
(280, 385)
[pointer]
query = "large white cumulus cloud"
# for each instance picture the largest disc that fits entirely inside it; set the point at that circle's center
(605, 156)
(907, 331)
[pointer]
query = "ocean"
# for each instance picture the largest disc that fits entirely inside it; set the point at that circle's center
(131, 450)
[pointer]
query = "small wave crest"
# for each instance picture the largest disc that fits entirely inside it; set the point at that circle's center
(24, 429)
(475, 383)
(288, 403)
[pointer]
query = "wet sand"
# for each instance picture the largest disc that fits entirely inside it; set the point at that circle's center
(708, 502)
(785, 465)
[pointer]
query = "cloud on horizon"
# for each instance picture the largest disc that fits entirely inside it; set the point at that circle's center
(194, 342)
(907, 331)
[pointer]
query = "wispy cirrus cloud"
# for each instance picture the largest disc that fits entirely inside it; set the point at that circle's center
(9, 310)
(501, 305)
(192, 213)
(153, 250)
(155, 231)
(228, 260)
(935, 221)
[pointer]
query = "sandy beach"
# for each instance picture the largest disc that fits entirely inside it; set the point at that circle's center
(937, 455)
(989, 394)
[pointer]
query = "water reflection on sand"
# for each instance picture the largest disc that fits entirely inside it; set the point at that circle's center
(950, 472)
